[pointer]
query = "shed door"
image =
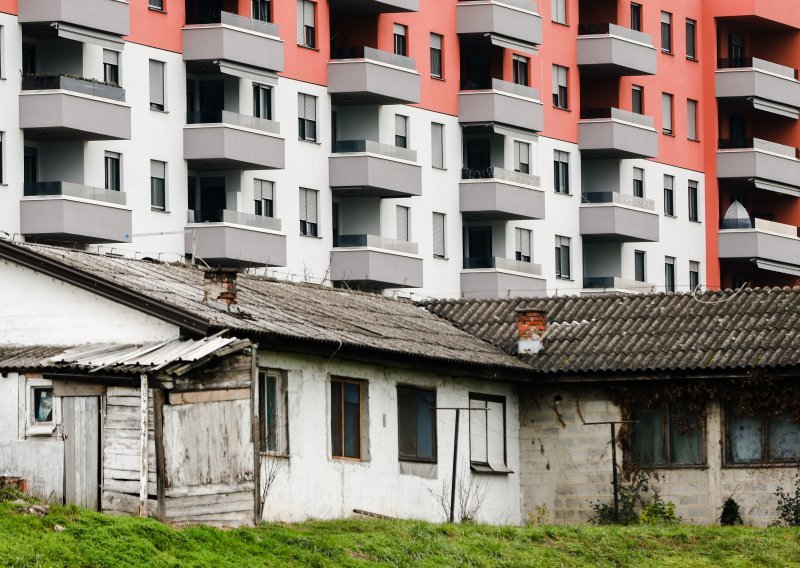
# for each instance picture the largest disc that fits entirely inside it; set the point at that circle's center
(81, 417)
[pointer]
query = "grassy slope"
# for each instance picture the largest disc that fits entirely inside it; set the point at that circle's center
(91, 539)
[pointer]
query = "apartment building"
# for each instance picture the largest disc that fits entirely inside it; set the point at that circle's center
(453, 148)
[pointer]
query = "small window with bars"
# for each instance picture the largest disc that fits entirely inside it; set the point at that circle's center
(264, 197)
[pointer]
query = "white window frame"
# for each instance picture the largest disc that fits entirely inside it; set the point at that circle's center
(400, 31)
(441, 253)
(691, 119)
(560, 243)
(694, 264)
(559, 8)
(154, 105)
(522, 157)
(523, 239)
(403, 228)
(258, 196)
(305, 216)
(560, 80)
(113, 156)
(438, 145)
(668, 114)
(561, 166)
(157, 5)
(694, 200)
(302, 114)
(488, 422)
(303, 7)
(643, 255)
(32, 427)
(639, 172)
(152, 177)
(670, 286)
(437, 45)
(402, 127)
(282, 445)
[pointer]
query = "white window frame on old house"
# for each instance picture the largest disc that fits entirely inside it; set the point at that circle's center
(34, 427)
(487, 434)
(273, 393)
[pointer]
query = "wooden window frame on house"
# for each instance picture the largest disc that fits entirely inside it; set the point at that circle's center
(628, 453)
(401, 423)
(486, 467)
(34, 428)
(362, 450)
(727, 462)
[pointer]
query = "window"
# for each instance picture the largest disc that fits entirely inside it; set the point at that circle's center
(762, 438)
(563, 260)
(156, 5)
(691, 39)
(636, 17)
(401, 131)
(437, 145)
(28, 59)
(691, 117)
(666, 435)
(306, 24)
(158, 185)
(111, 66)
(666, 32)
(402, 223)
(2, 51)
(42, 408)
(307, 117)
(666, 113)
(113, 177)
(561, 171)
(42, 405)
(157, 98)
(436, 56)
(416, 424)
(523, 241)
(2, 158)
(522, 157)
(637, 99)
(273, 412)
(262, 101)
(346, 410)
(520, 67)
(638, 182)
(694, 275)
(560, 11)
(640, 265)
(438, 235)
(400, 40)
(487, 433)
(264, 197)
(669, 274)
(669, 196)
(308, 212)
(261, 10)
(694, 213)
(560, 92)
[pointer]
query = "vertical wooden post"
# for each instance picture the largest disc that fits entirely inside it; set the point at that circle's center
(143, 473)
(161, 467)
(256, 428)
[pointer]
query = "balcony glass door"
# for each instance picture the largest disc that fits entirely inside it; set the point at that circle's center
(478, 156)
(31, 166)
(736, 49)
(212, 199)
(479, 248)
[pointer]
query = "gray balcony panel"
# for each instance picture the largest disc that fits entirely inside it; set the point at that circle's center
(64, 115)
(777, 172)
(620, 134)
(514, 20)
(771, 87)
(363, 175)
(375, 268)
(374, 6)
(226, 147)
(107, 16)
(223, 42)
(621, 51)
(614, 284)
(223, 244)
(66, 219)
(497, 199)
(617, 222)
(492, 283)
(771, 251)
(507, 104)
(378, 78)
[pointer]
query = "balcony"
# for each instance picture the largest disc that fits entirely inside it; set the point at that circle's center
(615, 285)
(616, 217)
(94, 21)
(232, 239)
(615, 133)
(497, 277)
(373, 262)
(512, 24)
(778, 15)
(56, 107)
(767, 165)
(222, 140)
(374, 6)
(498, 194)
(769, 87)
(363, 168)
(612, 50)
(235, 44)
(367, 76)
(60, 211)
(502, 103)
(771, 246)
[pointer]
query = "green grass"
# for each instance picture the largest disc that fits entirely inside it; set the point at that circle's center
(92, 539)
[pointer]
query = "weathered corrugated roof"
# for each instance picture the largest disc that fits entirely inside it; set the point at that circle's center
(645, 332)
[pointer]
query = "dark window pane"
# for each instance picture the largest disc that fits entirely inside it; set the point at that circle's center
(784, 439)
(352, 420)
(686, 438)
(426, 401)
(336, 418)
(406, 419)
(271, 418)
(648, 445)
(43, 405)
(744, 439)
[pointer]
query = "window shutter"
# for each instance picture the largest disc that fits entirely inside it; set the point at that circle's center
(399, 30)
(400, 125)
(666, 111)
(301, 105)
(692, 117)
(110, 57)
(402, 223)
(301, 31)
(437, 145)
(156, 82)
(308, 14)
(496, 435)
(438, 234)
(311, 204)
(555, 79)
(267, 189)
(311, 107)
(436, 41)
(303, 205)
(524, 242)
(478, 452)
(158, 169)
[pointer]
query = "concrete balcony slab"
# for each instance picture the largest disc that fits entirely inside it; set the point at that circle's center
(365, 75)
(767, 165)
(771, 246)
(501, 278)
(372, 262)
(237, 240)
(513, 24)
(612, 50)
(615, 133)
(505, 103)
(362, 168)
(374, 6)
(616, 217)
(106, 16)
(497, 194)
(769, 87)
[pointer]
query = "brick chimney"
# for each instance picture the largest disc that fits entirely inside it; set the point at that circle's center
(220, 288)
(531, 327)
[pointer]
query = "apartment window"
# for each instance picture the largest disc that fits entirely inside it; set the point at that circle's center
(520, 67)
(437, 145)
(416, 424)
(691, 117)
(400, 40)
(438, 235)
(264, 197)
(402, 214)
(487, 433)
(640, 265)
(261, 10)
(157, 97)
(669, 196)
(308, 212)
(113, 174)
(158, 185)
(669, 274)
(273, 412)
(522, 157)
(346, 418)
(306, 24)
(666, 113)
(156, 5)
(2, 52)
(636, 17)
(763, 438)
(436, 56)
(28, 59)
(560, 11)
(691, 39)
(637, 99)
(563, 259)
(401, 131)
(694, 275)
(307, 117)
(638, 182)
(560, 91)
(668, 434)
(262, 101)
(523, 241)
(111, 66)
(694, 213)
(666, 32)
(561, 171)
(2, 158)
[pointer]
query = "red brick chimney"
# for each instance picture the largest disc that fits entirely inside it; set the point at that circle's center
(220, 287)
(531, 327)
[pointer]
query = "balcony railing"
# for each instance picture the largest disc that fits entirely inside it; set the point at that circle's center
(611, 113)
(69, 189)
(73, 84)
(372, 54)
(371, 147)
(499, 263)
(615, 30)
(232, 118)
(758, 144)
(234, 218)
(375, 241)
(618, 198)
(237, 21)
(758, 64)
(615, 283)
(492, 84)
(493, 172)
(759, 225)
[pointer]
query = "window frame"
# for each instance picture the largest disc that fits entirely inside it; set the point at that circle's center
(668, 112)
(669, 195)
(437, 56)
(401, 140)
(521, 69)
(561, 172)
(308, 38)
(263, 206)
(257, 13)
(628, 454)
(309, 228)
(400, 40)
(163, 188)
(638, 188)
(691, 40)
(560, 12)
(692, 124)
(765, 423)
(361, 431)
(485, 467)
(156, 5)
(108, 159)
(2, 157)
(522, 150)
(521, 236)
(34, 428)
(669, 274)
(667, 33)
(560, 91)
(443, 217)
(440, 142)
(636, 16)
(694, 281)
(262, 101)
(637, 90)
(398, 219)
(560, 243)
(111, 71)
(282, 447)
(435, 443)
(693, 190)
(162, 66)
(637, 255)
(305, 124)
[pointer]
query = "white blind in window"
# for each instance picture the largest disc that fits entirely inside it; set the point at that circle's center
(263, 189)
(438, 234)
(524, 242)
(303, 206)
(110, 57)
(158, 169)
(308, 14)
(521, 155)
(691, 111)
(400, 125)
(399, 30)
(437, 145)
(311, 206)
(436, 41)
(559, 78)
(478, 451)
(560, 11)
(666, 111)
(307, 107)
(402, 223)
(496, 435)
(156, 82)
(301, 32)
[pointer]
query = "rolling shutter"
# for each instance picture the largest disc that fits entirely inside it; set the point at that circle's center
(437, 145)
(110, 57)
(402, 223)
(156, 83)
(478, 450)
(438, 235)
(496, 435)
